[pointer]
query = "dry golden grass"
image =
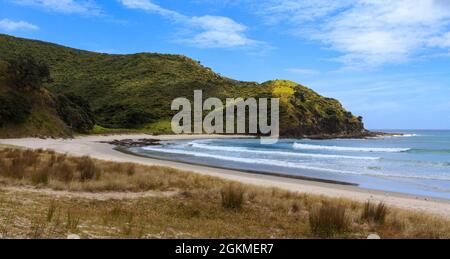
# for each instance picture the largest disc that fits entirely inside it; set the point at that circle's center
(329, 220)
(200, 207)
(47, 169)
(375, 214)
(232, 196)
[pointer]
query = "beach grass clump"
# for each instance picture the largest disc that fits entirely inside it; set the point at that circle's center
(374, 213)
(62, 171)
(88, 169)
(329, 220)
(232, 197)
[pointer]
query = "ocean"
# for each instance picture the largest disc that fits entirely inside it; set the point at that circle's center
(416, 163)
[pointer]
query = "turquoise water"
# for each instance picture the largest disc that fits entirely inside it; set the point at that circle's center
(417, 163)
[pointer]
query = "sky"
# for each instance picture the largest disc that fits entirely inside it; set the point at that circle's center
(386, 60)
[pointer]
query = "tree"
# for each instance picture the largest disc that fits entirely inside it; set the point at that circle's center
(75, 112)
(13, 109)
(27, 74)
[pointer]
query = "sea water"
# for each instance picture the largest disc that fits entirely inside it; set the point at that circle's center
(417, 162)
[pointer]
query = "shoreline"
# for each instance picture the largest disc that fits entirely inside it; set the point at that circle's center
(95, 147)
(305, 178)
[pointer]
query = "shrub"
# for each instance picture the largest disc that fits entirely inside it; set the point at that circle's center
(232, 197)
(123, 116)
(329, 220)
(75, 112)
(374, 213)
(14, 108)
(27, 74)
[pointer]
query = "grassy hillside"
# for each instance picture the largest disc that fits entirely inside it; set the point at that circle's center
(27, 108)
(27, 113)
(135, 91)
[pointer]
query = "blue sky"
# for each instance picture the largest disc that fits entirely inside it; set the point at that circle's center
(387, 60)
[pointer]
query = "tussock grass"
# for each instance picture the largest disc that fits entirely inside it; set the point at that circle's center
(373, 213)
(88, 170)
(201, 206)
(232, 197)
(329, 220)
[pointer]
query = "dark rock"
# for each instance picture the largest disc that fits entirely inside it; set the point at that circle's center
(128, 143)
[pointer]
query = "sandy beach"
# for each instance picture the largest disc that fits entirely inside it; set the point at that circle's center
(93, 146)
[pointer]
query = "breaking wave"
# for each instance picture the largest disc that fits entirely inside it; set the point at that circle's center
(352, 149)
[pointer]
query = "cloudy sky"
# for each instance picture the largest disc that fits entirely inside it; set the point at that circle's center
(387, 60)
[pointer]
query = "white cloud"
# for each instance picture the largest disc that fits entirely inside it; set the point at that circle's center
(8, 25)
(303, 71)
(218, 32)
(149, 6)
(87, 7)
(201, 31)
(367, 32)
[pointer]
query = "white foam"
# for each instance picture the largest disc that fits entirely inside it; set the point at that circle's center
(395, 136)
(244, 160)
(352, 149)
(282, 153)
(279, 163)
(406, 135)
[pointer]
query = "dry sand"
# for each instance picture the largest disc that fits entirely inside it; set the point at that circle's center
(91, 146)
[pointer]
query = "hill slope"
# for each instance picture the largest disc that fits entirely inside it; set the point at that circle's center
(27, 108)
(27, 113)
(135, 91)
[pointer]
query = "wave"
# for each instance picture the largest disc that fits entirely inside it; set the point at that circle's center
(407, 135)
(410, 135)
(279, 163)
(352, 149)
(270, 162)
(282, 153)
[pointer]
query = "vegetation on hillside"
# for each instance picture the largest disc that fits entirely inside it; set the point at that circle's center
(48, 195)
(27, 108)
(136, 91)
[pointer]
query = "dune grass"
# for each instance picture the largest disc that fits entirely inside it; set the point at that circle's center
(36, 202)
(329, 220)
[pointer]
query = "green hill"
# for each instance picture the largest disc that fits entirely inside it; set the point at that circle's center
(27, 113)
(27, 108)
(135, 91)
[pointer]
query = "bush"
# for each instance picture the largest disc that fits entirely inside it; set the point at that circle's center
(75, 112)
(123, 116)
(329, 220)
(232, 197)
(374, 213)
(14, 108)
(27, 74)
